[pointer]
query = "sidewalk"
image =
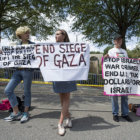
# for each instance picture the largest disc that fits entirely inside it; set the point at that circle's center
(91, 114)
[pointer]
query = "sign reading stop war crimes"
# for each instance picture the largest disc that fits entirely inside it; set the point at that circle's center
(57, 61)
(18, 56)
(121, 76)
(63, 61)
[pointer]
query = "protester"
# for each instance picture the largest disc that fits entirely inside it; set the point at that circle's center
(117, 51)
(64, 89)
(25, 74)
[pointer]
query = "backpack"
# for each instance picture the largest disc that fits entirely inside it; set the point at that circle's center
(133, 107)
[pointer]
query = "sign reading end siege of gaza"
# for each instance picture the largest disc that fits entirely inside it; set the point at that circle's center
(57, 61)
(121, 76)
(63, 61)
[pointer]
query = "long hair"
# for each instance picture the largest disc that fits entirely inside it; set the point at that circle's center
(66, 39)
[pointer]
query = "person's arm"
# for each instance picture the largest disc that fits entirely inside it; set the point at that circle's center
(105, 56)
(108, 54)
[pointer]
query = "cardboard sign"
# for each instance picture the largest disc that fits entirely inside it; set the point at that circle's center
(121, 76)
(18, 56)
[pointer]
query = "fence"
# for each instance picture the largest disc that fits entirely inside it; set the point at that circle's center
(93, 79)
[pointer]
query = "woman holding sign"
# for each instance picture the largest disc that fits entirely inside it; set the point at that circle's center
(25, 74)
(64, 89)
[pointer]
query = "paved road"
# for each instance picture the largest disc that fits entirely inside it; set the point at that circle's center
(91, 114)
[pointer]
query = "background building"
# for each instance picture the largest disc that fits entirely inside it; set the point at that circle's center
(95, 63)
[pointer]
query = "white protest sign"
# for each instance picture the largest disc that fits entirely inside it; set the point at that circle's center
(18, 56)
(121, 76)
(63, 61)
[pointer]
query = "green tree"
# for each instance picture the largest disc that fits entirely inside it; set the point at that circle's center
(100, 20)
(95, 52)
(107, 49)
(135, 53)
(42, 16)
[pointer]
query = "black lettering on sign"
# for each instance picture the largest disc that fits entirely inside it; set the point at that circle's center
(111, 73)
(16, 57)
(134, 75)
(6, 63)
(113, 66)
(121, 90)
(29, 56)
(22, 62)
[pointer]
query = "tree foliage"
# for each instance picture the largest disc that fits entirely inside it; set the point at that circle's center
(42, 16)
(135, 53)
(98, 52)
(107, 49)
(100, 20)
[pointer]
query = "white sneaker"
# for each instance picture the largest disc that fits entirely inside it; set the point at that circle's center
(13, 117)
(68, 123)
(25, 117)
(61, 130)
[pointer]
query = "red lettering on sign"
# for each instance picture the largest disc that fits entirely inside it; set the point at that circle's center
(37, 49)
(83, 46)
(64, 61)
(40, 60)
(71, 63)
(57, 62)
(82, 60)
(45, 59)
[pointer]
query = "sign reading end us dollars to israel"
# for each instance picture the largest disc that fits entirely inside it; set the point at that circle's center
(63, 61)
(121, 76)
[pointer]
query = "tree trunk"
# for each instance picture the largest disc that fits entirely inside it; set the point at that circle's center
(123, 33)
(123, 44)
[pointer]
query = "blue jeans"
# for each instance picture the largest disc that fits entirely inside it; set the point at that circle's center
(17, 77)
(124, 105)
